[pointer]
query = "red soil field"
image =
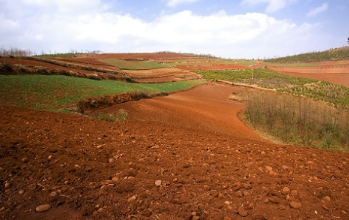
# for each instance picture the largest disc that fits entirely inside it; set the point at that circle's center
(188, 109)
(26, 62)
(326, 71)
(79, 71)
(89, 62)
(184, 156)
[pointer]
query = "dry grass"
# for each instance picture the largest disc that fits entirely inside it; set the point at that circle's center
(299, 120)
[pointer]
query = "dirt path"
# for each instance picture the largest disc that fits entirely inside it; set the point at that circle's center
(204, 108)
(177, 162)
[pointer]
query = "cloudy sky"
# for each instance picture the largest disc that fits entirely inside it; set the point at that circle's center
(225, 28)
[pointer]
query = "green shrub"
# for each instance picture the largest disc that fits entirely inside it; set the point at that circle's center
(5, 68)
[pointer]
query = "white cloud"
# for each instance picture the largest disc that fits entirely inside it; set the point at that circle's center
(173, 3)
(273, 5)
(246, 35)
(315, 11)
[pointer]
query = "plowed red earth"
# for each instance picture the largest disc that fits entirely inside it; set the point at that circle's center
(26, 62)
(92, 62)
(338, 74)
(185, 156)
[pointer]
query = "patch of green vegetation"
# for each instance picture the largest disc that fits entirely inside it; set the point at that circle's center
(292, 64)
(336, 54)
(72, 53)
(121, 115)
(53, 92)
(58, 55)
(134, 65)
(262, 77)
(207, 61)
(244, 62)
(324, 91)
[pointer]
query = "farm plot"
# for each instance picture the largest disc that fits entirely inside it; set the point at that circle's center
(133, 64)
(161, 75)
(332, 71)
(212, 67)
(183, 156)
(185, 153)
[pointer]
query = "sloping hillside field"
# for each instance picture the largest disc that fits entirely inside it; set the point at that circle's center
(82, 138)
(332, 71)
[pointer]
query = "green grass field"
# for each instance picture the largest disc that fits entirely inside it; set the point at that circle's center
(292, 64)
(52, 92)
(261, 77)
(203, 61)
(338, 54)
(324, 91)
(134, 65)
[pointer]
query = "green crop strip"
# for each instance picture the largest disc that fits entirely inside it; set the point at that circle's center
(133, 65)
(324, 91)
(52, 92)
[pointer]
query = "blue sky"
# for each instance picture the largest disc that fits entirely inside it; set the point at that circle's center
(225, 28)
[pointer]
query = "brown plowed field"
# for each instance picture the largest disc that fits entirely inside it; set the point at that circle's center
(184, 156)
(338, 74)
(76, 69)
(33, 63)
(205, 108)
(89, 62)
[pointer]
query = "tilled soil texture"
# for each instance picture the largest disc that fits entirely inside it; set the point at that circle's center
(64, 67)
(36, 63)
(93, 62)
(80, 168)
(205, 108)
(338, 74)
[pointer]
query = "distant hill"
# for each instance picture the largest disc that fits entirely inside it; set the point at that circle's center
(341, 53)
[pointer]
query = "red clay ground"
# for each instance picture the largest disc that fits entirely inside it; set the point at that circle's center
(332, 71)
(205, 108)
(77, 69)
(33, 63)
(188, 158)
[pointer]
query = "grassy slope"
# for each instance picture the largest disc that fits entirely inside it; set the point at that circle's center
(325, 91)
(52, 92)
(262, 77)
(338, 54)
(294, 119)
(133, 65)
